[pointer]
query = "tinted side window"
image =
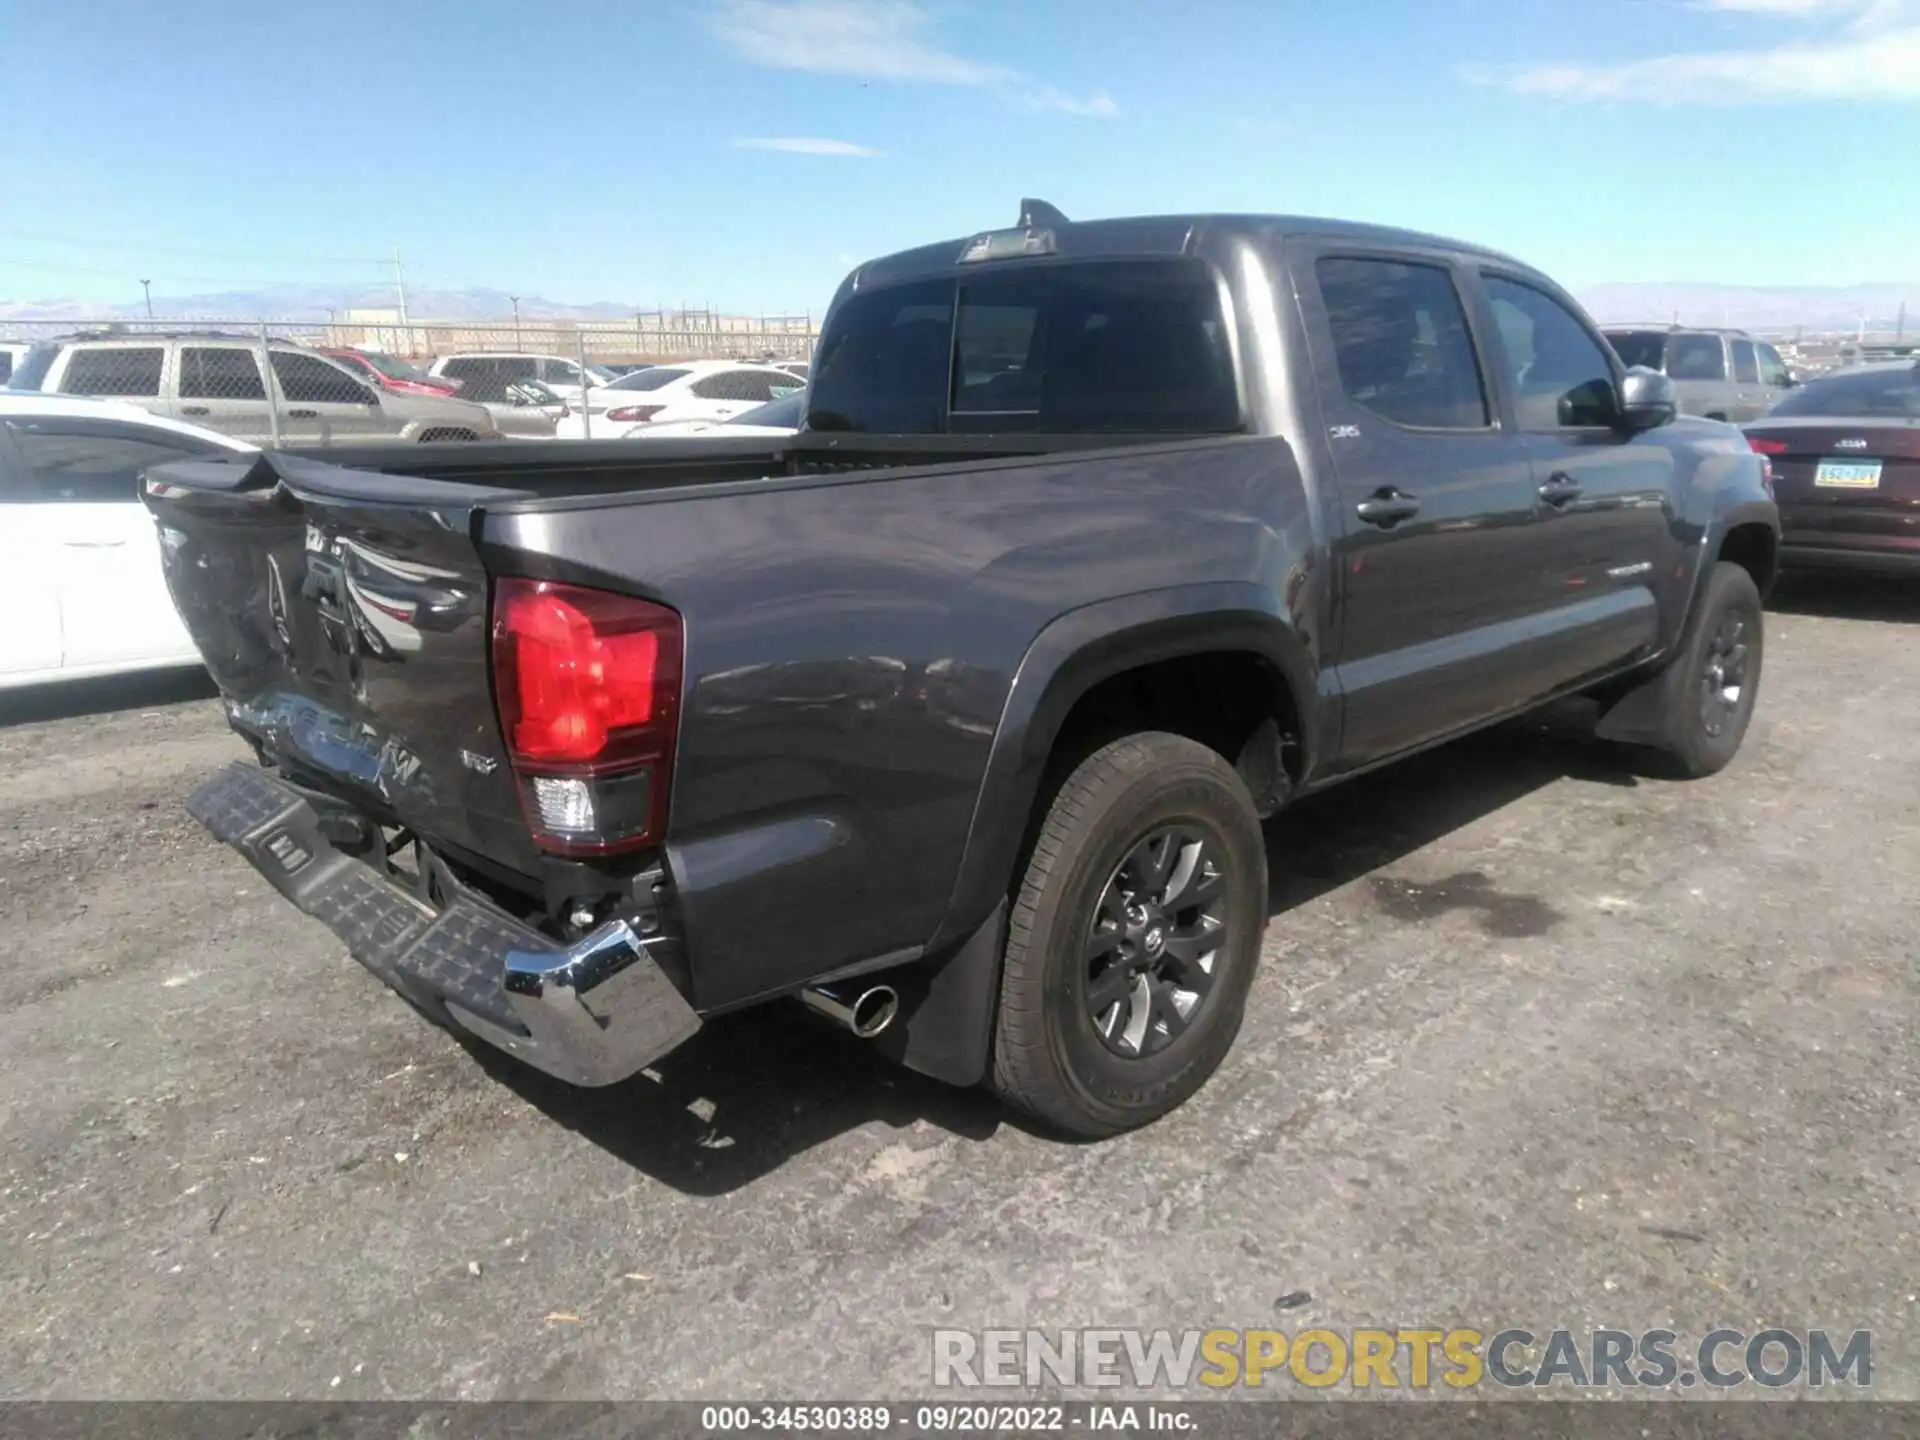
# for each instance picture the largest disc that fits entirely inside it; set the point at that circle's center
(6, 366)
(1773, 370)
(558, 372)
(1746, 366)
(739, 385)
(309, 380)
(1401, 341)
(1696, 357)
(66, 463)
(1559, 373)
(464, 367)
(220, 373)
(1639, 347)
(113, 371)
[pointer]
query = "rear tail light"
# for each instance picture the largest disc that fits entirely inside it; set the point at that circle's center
(635, 414)
(588, 686)
(1766, 450)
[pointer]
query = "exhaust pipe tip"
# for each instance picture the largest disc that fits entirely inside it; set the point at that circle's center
(864, 1012)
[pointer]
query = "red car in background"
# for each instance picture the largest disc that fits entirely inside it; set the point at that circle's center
(390, 372)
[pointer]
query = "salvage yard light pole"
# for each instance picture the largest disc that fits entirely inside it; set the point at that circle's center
(146, 288)
(515, 299)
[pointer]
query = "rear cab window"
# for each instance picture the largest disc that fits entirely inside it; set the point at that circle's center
(1084, 347)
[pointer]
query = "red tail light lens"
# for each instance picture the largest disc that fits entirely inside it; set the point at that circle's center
(635, 414)
(588, 686)
(1767, 447)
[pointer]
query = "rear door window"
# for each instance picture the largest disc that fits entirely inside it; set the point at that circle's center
(225, 372)
(1746, 365)
(1696, 357)
(1099, 347)
(750, 386)
(113, 370)
(1401, 342)
(651, 378)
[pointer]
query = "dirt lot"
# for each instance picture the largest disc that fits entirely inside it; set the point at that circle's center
(1536, 1041)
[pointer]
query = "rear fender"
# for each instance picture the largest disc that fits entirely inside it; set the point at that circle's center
(1066, 660)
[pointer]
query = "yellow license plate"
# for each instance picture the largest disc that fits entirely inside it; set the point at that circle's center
(1848, 474)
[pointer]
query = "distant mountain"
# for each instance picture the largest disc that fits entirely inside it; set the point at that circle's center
(1761, 307)
(313, 302)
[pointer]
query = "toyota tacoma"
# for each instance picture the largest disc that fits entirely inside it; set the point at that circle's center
(956, 714)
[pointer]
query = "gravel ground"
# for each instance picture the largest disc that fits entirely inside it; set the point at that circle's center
(1536, 1041)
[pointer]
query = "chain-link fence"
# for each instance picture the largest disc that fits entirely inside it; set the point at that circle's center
(301, 383)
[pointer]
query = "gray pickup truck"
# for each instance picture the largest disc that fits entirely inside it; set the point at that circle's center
(956, 714)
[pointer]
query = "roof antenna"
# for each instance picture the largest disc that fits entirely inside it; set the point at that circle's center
(1036, 213)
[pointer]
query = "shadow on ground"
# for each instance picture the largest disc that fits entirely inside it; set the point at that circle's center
(754, 1089)
(1843, 596)
(70, 699)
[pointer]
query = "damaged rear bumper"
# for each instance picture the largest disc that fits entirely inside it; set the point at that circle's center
(592, 1013)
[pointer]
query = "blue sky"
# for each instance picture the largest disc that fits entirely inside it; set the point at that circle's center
(746, 152)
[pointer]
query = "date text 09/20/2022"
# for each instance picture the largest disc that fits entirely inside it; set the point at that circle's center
(940, 1418)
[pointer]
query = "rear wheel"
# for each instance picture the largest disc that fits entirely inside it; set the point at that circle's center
(1133, 937)
(1711, 696)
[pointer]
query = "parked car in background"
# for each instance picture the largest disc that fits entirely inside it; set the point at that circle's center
(1718, 374)
(776, 417)
(81, 583)
(1845, 451)
(693, 390)
(562, 376)
(215, 380)
(12, 352)
(956, 715)
(793, 367)
(390, 372)
(523, 409)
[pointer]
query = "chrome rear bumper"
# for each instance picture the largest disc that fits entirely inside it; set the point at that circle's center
(592, 1013)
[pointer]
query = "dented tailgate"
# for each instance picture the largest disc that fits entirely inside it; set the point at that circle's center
(344, 615)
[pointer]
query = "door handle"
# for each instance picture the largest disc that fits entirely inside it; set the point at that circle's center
(1560, 489)
(195, 410)
(303, 414)
(1387, 507)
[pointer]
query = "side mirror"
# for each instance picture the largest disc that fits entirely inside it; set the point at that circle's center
(1647, 400)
